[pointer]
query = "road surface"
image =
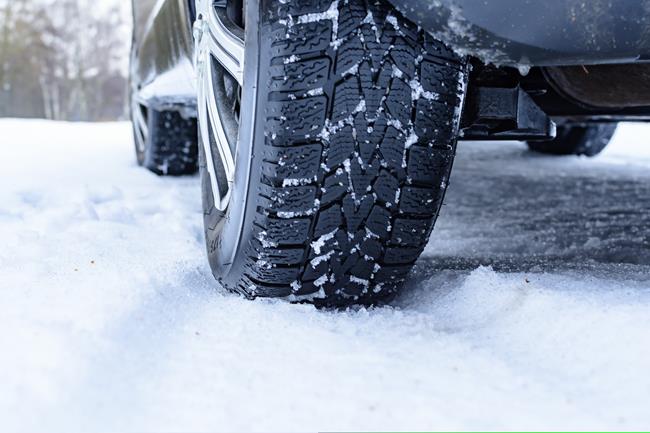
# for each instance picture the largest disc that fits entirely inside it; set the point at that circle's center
(529, 310)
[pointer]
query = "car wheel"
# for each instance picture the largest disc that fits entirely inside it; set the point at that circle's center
(587, 140)
(328, 131)
(165, 141)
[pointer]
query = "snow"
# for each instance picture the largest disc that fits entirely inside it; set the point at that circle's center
(319, 243)
(320, 259)
(297, 181)
(417, 91)
(291, 59)
(172, 83)
(529, 310)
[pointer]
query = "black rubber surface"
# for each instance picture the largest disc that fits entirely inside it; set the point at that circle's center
(171, 148)
(360, 116)
(587, 140)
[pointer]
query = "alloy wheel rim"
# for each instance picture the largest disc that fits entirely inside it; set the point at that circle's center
(219, 62)
(141, 125)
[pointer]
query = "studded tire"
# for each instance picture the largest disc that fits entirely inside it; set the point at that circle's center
(355, 124)
(170, 147)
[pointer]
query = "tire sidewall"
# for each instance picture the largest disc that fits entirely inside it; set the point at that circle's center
(228, 232)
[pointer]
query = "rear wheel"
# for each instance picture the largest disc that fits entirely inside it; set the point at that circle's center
(165, 141)
(326, 145)
(587, 140)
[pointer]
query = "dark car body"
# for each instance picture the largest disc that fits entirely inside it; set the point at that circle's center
(579, 60)
(538, 32)
(161, 57)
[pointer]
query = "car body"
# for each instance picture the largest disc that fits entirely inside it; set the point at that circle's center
(534, 37)
(525, 33)
(161, 58)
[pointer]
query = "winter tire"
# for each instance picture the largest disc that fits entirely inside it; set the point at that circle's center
(587, 140)
(165, 141)
(326, 145)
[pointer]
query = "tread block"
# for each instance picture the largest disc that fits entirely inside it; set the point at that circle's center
(287, 231)
(300, 163)
(437, 76)
(398, 101)
(302, 7)
(402, 56)
(419, 201)
(328, 220)
(434, 48)
(275, 275)
(428, 165)
(387, 189)
(301, 39)
(410, 231)
(290, 201)
(350, 52)
(356, 213)
(301, 75)
(371, 248)
(363, 269)
(432, 121)
(392, 147)
(332, 192)
(282, 256)
(362, 177)
(341, 147)
(373, 90)
(298, 120)
(379, 222)
(347, 98)
(351, 15)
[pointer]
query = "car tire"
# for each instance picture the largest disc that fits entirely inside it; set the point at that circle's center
(587, 140)
(165, 141)
(347, 137)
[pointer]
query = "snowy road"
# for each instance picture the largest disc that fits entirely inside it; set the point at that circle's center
(110, 319)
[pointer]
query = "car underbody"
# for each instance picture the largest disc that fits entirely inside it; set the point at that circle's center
(575, 61)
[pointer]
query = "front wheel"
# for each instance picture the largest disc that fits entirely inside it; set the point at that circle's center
(328, 131)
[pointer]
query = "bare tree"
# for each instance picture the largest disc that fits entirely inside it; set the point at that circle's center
(61, 60)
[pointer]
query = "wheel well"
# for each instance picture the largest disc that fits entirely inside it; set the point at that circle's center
(563, 103)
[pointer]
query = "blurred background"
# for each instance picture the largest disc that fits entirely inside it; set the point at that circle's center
(64, 59)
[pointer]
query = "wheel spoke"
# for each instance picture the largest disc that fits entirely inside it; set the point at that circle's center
(205, 141)
(220, 63)
(142, 121)
(222, 172)
(142, 129)
(204, 133)
(225, 46)
(218, 127)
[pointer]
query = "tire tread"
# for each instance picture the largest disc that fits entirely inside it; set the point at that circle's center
(355, 162)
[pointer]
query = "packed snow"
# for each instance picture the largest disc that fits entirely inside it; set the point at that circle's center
(529, 310)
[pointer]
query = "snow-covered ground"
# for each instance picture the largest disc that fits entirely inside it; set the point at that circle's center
(529, 310)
